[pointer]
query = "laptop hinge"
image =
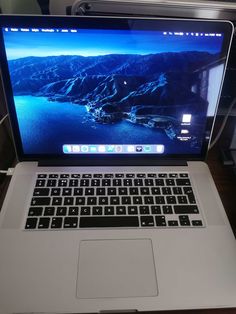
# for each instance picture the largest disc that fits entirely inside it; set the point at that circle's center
(110, 162)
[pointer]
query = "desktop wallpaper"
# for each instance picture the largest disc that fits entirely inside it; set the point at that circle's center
(113, 87)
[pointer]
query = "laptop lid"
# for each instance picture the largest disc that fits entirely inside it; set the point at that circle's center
(112, 89)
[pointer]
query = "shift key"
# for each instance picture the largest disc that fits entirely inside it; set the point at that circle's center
(186, 209)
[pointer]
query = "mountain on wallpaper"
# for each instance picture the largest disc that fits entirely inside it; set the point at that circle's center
(118, 86)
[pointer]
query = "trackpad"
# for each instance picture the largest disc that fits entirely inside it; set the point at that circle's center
(116, 269)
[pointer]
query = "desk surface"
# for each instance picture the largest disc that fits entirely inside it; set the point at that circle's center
(225, 180)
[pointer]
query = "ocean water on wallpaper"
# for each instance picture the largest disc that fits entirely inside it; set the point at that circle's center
(46, 126)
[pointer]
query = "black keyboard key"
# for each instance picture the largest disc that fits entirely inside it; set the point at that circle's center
(63, 182)
(149, 182)
(70, 222)
(42, 175)
(166, 190)
(120, 210)
(61, 211)
(73, 211)
(144, 191)
(109, 222)
(141, 175)
(127, 182)
(73, 182)
(123, 191)
(109, 210)
(64, 175)
(44, 201)
(167, 209)
(115, 200)
(89, 191)
(66, 191)
(56, 222)
(106, 182)
(183, 175)
(31, 223)
(68, 201)
(132, 210)
(95, 182)
(184, 220)
(186, 209)
(159, 182)
(41, 191)
(76, 175)
(147, 221)
(173, 175)
(182, 199)
(160, 199)
(173, 223)
(103, 200)
(138, 182)
(133, 191)
(51, 182)
(85, 182)
(171, 200)
(160, 221)
(111, 191)
(137, 200)
(183, 182)
(57, 201)
(35, 211)
(152, 175)
(125, 200)
(56, 192)
(44, 223)
(156, 191)
(80, 201)
(85, 210)
(78, 191)
(197, 223)
(100, 191)
(97, 210)
(108, 175)
(148, 200)
(40, 182)
(144, 210)
(117, 182)
(119, 175)
(87, 176)
(53, 176)
(130, 175)
(177, 190)
(49, 211)
(162, 175)
(156, 209)
(170, 182)
(91, 200)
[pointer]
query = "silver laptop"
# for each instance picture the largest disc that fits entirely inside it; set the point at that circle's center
(111, 206)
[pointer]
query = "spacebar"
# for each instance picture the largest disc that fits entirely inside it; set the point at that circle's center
(103, 222)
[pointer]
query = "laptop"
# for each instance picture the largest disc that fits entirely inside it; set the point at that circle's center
(111, 206)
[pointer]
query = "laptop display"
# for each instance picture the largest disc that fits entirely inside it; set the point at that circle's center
(143, 88)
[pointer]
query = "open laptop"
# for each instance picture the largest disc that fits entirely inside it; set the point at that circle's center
(111, 207)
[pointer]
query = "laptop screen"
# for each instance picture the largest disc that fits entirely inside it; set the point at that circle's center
(114, 86)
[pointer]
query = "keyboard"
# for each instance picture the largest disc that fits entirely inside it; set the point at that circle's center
(112, 200)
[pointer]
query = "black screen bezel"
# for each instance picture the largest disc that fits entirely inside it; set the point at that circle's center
(105, 23)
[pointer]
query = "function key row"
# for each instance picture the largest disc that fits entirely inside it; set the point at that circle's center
(111, 175)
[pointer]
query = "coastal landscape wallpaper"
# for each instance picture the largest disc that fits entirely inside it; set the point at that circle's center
(111, 87)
